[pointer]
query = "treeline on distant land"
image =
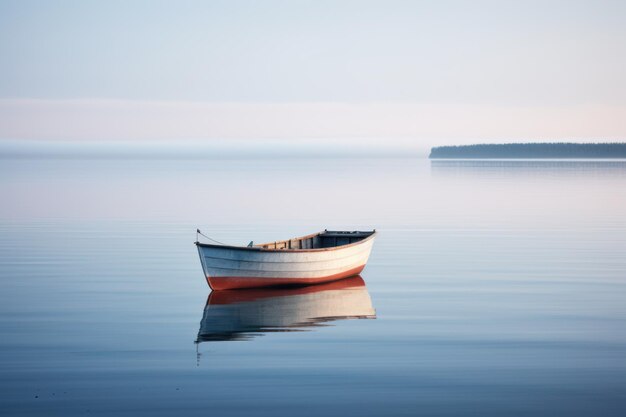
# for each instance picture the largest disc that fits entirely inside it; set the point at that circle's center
(531, 150)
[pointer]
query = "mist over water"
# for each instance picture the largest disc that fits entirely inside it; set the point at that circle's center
(212, 149)
(499, 288)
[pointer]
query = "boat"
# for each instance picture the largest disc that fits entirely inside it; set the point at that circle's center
(313, 259)
(243, 314)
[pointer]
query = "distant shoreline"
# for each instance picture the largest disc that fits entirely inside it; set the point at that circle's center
(531, 151)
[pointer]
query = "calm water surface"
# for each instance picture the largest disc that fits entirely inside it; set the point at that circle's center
(494, 288)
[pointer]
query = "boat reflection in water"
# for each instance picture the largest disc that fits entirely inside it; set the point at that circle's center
(242, 314)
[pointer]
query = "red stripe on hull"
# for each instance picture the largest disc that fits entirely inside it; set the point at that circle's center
(230, 283)
(253, 294)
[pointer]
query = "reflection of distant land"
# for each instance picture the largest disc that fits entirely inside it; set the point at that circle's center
(240, 314)
(531, 151)
(543, 168)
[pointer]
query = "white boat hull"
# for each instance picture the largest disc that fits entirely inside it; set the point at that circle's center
(229, 267)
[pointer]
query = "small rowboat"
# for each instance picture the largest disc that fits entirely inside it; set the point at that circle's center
(313, 259)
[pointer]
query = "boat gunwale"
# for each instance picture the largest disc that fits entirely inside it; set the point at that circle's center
(261, 249)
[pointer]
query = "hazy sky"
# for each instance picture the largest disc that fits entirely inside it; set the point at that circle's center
(435, 71)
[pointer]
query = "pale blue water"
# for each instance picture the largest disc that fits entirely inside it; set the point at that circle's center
(499, 288)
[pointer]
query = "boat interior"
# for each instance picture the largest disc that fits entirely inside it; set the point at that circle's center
(325, 239)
